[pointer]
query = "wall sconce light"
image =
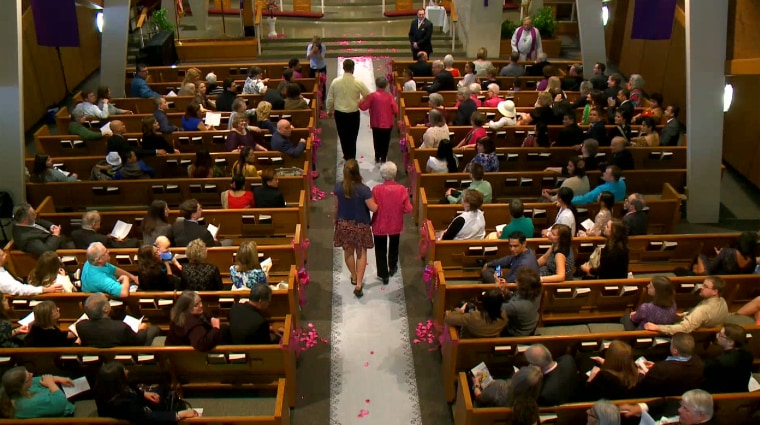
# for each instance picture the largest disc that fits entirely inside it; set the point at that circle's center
(728, 96)
(605, 14)
(99, 21)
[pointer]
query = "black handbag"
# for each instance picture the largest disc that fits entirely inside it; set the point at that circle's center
(175, 403)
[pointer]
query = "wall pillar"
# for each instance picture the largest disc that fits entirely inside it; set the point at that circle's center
(591, 31)
(478, 24)
(705, 79)
(113, 46)
(12, 103)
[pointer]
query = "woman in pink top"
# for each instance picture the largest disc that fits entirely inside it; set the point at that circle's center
(392, 203)
(382, 114)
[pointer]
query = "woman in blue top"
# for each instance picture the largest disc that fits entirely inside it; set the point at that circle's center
(486, 156)
(353, 202)
(192, 121)
(26, 397)
(247, 271)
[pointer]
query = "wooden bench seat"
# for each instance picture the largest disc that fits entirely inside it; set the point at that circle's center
(648, 254)
(222, 70)
(68, 145)
(140, 105)
(224, 367)
(260, 222)
(738, 408)
(164, 87)
(140, 193)
(399, 65)
(664, 212)
(538, 159)
(522, 99)
(461, 354)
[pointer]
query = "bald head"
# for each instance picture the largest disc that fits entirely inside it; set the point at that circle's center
(617, 144)
(118, 127)
(91, 220)
(96, 253)
(284, 127)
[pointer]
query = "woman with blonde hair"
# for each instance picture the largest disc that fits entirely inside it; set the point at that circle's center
(241, 136)
(481, 63)
(192, 75)
(353, 203)
(247, 270)
(616, 377)
(198, 275)
(24, 396)
(262, 116)
(49, 271)
(45, 331)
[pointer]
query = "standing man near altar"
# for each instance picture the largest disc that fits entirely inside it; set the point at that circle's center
(421, 34)
(527, 40)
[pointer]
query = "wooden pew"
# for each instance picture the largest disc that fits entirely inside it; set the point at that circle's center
(298, 117)
(537, 158)
(140, 105)
(664, 212)
(224, 367)
(282, 255)
(738, 408)
(165, 87)
(140, 193)
(648, 254)
(465, 353)
(222, 70)
(522, 99)
(175, 166)
(528, 184)
(156, 306)
(281, 222)
(399, 65)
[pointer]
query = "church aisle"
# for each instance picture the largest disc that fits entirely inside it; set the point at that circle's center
(372, 370)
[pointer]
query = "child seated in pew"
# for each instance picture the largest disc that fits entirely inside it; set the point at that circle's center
(409, 83)
(24, 396)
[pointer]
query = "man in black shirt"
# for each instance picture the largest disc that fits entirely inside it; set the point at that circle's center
(268, 195)
(227, 96)
(248, 322)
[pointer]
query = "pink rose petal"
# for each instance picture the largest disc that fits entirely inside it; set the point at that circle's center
(372, 353)
(366, 401)
(366, 364)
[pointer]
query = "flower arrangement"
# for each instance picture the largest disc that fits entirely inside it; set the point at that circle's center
(271, 7)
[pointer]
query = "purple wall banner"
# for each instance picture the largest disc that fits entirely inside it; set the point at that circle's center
(55, 22)
(653, 19)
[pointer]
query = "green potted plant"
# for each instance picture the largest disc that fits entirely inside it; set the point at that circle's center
(546, 25)
(507, 29)
(160, 22)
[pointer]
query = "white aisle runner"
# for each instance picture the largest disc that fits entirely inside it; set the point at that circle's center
(372, 371)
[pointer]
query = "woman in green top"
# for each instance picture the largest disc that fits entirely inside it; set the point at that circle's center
(26, 397)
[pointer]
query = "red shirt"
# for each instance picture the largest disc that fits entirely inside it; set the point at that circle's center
(392, 203)
(238, 203)
(492, 102)
(382, 108)
(475, 134)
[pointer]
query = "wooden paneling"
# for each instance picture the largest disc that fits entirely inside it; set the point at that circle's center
(741, 130)
(215, 51)
(80, 62)
(743, 36)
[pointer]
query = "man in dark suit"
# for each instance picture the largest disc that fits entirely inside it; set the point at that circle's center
(599, 80)
(620, 103)
(671, 134)
(36, 236)
(422, 67)
(100, 331)
(421, 34)
(680, 372)
(636, 218)
(596, 128)
(117, 143)
(560, 377)
(248, 322)
(613, 85)
(621, 156)
(160, 115)
(189, 229)
(268, 195)
(730, 371)
(89, 233)
(443, 79)
(573, 79)
(537, 69)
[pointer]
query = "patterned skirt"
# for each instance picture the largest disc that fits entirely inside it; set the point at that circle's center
(349, 234)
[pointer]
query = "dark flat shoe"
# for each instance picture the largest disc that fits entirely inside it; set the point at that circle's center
(358, 292)
(392, 271)
(353, 281)
(385, 280)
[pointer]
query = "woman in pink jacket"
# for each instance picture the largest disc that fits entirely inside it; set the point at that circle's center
(382, 114)
(392, 203)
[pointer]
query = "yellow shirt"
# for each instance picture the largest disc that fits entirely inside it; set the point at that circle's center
(345, 93)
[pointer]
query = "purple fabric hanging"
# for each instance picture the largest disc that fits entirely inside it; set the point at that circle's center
(55, 22)
(653, 19)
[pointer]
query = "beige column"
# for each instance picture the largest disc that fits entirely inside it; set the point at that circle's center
(113, 48)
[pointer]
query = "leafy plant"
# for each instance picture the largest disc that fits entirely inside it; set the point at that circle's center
(507, 29)
(160, 21)
(544, 22)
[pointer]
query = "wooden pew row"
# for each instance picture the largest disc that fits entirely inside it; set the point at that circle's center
(140, 193)
(279, 416)
(140, 105)
(522, 99)
(222, 70)
(264, 223)
(589, 301)
(400, 65)
(175, 166)
(664, 212)
(156, 306)
(224, 367)
(537, 158)
(164, 87)
(648, 254)
(465, 353)
(282, 255)
(528, 184)
(301, 118)
(738, 408)
(186, 141)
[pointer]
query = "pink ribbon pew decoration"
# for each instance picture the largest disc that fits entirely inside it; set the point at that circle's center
(431, 281)
(304, 339)
(424, 243)
(431, 333)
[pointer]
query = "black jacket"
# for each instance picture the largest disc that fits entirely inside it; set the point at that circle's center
(248, 325)
(36, 241)
(116, 143)
(421, 69)
(442, 81)
(185, 231)
(107, 333)
(423, 35)
(268, 197)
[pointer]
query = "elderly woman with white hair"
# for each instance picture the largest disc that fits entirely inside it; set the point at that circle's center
(392, 203)
(492, 96)
(448, 65)
(465, 106)
(603, 413)
(636, 86)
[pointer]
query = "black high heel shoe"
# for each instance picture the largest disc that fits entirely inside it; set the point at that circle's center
(358, 292)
